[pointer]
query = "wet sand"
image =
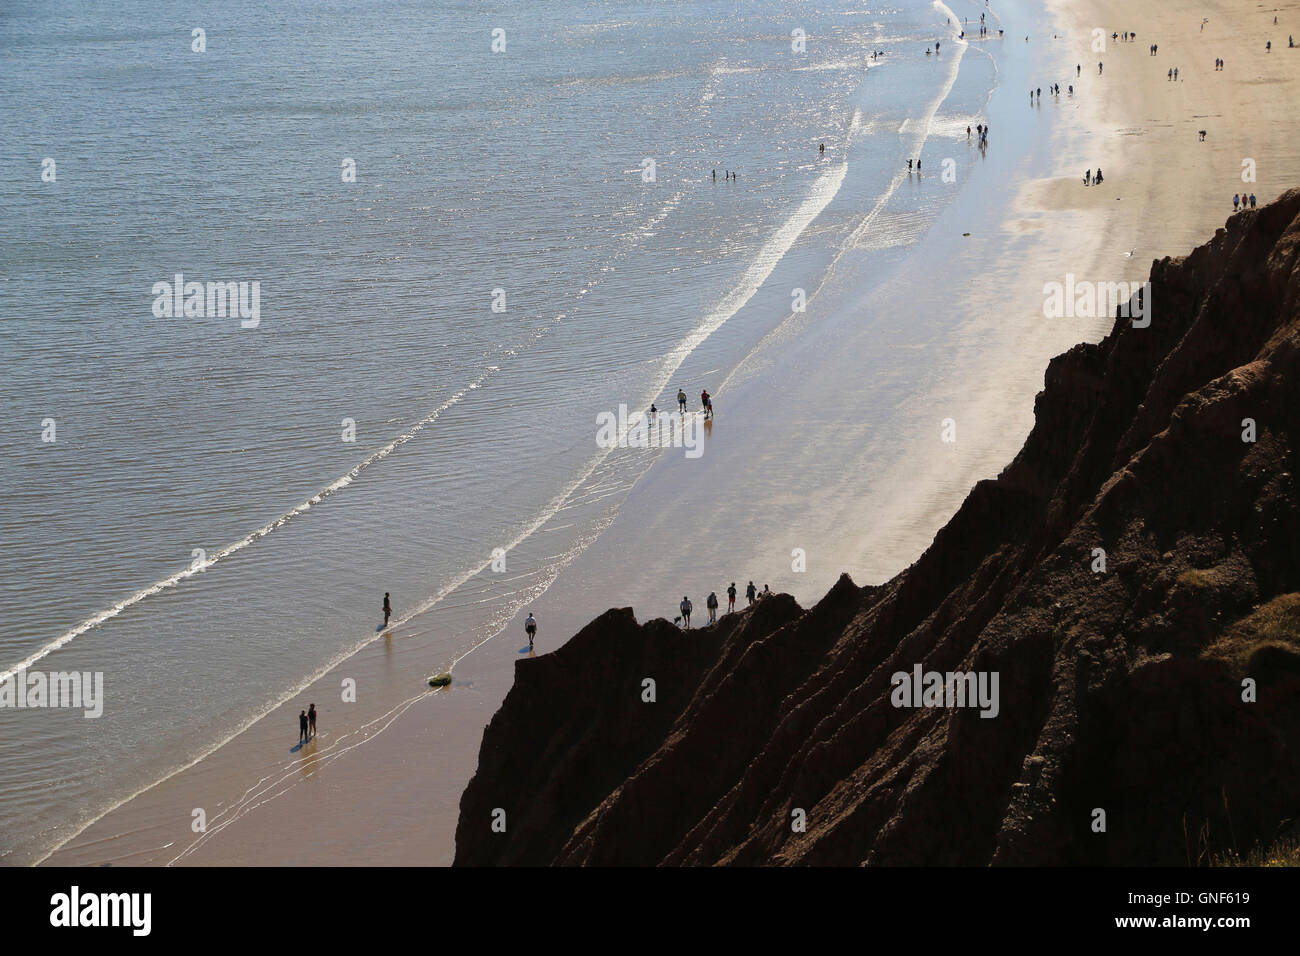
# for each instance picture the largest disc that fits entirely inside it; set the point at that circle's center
(828, 439)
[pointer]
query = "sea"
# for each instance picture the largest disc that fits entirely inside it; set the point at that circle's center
(461, 232)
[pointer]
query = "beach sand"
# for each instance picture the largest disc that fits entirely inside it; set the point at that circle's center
(957, 332)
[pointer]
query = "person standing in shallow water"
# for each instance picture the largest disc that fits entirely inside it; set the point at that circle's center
(302, 727)
(388, 609)
(530, 628)
(681, 400)
(311, 720)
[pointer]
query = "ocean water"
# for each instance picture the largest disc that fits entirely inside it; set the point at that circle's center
(201, 530)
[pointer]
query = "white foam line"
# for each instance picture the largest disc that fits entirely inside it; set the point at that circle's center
(924, 124)
(175, 579)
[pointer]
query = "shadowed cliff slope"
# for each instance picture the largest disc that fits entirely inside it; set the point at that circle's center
(1119, 690)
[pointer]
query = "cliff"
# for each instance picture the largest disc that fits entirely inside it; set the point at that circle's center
(1119, 689)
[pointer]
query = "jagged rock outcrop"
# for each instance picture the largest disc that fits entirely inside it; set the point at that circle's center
(1119, 690)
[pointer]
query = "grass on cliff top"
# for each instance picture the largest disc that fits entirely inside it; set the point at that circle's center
(1282, 853)
(1196, 579)
(1275, 624)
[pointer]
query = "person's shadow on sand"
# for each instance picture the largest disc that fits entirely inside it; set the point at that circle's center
(527, 650)
(302, 743)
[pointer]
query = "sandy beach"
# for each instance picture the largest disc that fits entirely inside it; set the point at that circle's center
(788, 467)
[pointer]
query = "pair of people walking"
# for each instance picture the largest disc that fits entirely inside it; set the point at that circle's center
(307, 724)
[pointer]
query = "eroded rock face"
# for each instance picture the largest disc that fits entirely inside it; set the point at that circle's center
(1120, 690)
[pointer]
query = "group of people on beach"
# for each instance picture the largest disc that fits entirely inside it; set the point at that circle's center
(1239, 201)
(1092, 179)
(984, 31)
(752, 594)
(727, 175)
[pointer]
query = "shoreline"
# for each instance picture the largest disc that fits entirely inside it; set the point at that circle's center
(385, 791)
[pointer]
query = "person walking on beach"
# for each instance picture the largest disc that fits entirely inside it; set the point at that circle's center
(1236, 202)
(302, 727)
(1252, 200)
(388, 609)
(1175, 74)
(681, 400)
(711, 602)
(311, 720)
(1087, 178)
(751, 592)
(1096, 180)
(530, 628)
(686, 607)
(1099, 68)
(731, 597)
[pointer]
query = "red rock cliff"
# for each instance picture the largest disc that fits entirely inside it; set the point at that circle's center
(1120, 690)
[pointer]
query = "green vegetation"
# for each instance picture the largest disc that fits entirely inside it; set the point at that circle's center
(1282, 853)
(1197, 579)
(1275, 626)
